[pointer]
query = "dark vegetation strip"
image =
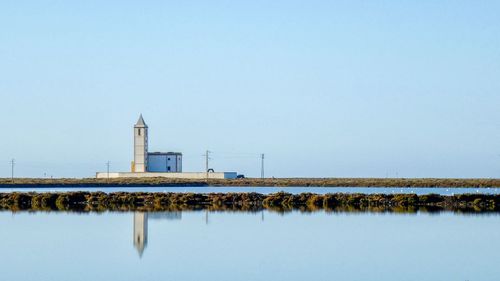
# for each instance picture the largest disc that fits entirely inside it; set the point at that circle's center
(281, 182)
(145, 201)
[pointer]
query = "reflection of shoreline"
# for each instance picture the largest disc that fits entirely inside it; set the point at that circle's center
(141, 226)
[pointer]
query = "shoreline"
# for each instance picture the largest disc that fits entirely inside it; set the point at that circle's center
(281, 201)
(256, 182)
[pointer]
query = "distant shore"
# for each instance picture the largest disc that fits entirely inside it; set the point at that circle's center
(284, 182)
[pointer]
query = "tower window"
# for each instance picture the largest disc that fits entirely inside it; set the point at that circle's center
(139, 132)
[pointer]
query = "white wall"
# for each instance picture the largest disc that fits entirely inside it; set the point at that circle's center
(195, 175)
(179, 163)
(162, 162)
(157, 163)
(140, 149)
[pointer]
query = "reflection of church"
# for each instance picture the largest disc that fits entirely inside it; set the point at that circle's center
(140, 232)
(141, 227)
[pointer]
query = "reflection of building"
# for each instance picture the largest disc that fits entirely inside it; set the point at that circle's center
(140, 232)
(165, 216)
(141, 226)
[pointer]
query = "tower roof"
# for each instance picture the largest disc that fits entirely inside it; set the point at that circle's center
(140, 123)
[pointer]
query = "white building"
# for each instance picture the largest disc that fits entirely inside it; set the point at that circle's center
(158, 164)
(155, 162)
(170, 162)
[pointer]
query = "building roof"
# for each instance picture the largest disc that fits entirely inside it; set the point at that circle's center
(140, 123)
(164, 153)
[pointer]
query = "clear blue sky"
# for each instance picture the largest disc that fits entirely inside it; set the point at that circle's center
(324, 88)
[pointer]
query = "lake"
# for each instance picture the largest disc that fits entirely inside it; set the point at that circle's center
(266, 245)
(266, 189)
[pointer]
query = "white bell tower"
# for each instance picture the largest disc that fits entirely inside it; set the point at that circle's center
(140, 164)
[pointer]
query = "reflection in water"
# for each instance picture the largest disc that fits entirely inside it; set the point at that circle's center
(140, 232)
(141, 227)
(292, 246)
(141, 218)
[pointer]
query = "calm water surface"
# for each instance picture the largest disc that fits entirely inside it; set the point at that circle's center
(267, 190)
(201, 245)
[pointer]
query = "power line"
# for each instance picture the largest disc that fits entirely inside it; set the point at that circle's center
(12, 164)
(207, 157)
(262, 166)
(107, 166)
(238, 153)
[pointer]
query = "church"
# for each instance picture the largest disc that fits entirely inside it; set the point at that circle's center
(145, 161)
(158, 164)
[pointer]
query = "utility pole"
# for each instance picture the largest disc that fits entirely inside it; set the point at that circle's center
(207, 157)
(107, 165)
(262, 166)
(12, 164)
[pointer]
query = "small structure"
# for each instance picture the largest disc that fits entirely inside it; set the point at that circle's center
(158, 164)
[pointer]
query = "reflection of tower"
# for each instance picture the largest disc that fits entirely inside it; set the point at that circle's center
(140, 232)
(141, 226)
